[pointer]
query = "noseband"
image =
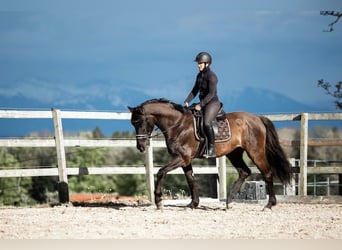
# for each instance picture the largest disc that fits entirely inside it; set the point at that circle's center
(143, 136)
(144, 119)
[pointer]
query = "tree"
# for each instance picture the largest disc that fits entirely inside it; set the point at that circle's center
(326, 85)
(97, 133)
(13, 191)
(337, 93)
(88, 157)
(41, 186)
(130, 184)
(331, 13)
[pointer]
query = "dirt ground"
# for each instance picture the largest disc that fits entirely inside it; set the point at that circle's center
(139, 219)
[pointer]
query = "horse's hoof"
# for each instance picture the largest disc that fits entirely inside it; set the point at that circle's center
(270, 204)
(159, 205)
(267, 208)
(228, 203)
(192, 205)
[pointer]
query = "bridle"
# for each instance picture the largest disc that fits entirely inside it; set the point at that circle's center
(143, 119)
(149, 135)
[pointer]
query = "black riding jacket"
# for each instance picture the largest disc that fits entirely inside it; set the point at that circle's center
(206, 85)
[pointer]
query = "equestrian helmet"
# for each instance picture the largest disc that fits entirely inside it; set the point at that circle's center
(203, 57)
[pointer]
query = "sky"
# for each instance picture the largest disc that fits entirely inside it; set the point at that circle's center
(68, 52)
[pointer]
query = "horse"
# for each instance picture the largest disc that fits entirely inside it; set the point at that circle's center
(251, 133)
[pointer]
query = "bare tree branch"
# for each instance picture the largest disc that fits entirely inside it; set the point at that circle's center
(331, 13)
(337, 94)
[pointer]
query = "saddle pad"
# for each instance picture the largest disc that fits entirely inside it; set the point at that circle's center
(221, 130)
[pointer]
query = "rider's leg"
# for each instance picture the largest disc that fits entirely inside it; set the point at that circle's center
(211, 142)
(210, 112)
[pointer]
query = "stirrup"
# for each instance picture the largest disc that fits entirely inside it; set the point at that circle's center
(210, 153)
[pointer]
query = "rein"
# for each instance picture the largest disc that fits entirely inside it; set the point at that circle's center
(163, 131)
(149, 135)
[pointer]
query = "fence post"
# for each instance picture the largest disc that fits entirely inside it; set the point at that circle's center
(149, 172)
(303, 155)
(63, 189)
(222, 170)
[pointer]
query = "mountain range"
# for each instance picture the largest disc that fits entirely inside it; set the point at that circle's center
(251, 99)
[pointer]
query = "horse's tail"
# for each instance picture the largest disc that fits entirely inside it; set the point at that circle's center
(275, 154)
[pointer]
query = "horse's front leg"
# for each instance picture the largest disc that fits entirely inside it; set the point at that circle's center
(189, 174)
(175, 163)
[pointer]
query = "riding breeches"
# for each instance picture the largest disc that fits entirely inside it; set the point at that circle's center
(210, 112)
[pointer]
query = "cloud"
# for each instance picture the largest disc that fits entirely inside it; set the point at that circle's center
(58, 50)
(174, 91)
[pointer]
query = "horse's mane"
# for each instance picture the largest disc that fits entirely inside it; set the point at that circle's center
(176, 106)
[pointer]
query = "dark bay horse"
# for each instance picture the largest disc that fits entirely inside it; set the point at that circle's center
(254, 134)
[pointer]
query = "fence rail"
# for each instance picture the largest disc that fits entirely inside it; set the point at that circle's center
(60, 143)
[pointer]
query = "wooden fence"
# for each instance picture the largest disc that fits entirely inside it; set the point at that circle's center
(60, 143)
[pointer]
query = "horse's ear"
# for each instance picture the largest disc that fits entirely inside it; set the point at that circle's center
(130, 108)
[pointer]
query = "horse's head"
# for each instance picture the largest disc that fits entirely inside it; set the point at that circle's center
(143, 127)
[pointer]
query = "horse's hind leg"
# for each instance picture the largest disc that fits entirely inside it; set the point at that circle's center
(192, 185)
(263, 166)
(236, 159)
(272, 201)
(268, 178)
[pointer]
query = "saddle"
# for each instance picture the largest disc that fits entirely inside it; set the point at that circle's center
(220, 126)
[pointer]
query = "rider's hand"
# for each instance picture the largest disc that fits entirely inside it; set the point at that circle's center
(198, 107)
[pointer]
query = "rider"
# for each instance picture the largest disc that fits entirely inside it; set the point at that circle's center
(206, 85)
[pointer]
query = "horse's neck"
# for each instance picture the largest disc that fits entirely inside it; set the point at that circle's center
(166, 118)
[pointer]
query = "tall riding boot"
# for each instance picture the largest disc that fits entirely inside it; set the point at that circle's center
(211, 142)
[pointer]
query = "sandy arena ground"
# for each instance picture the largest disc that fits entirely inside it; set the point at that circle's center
(138, 220)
